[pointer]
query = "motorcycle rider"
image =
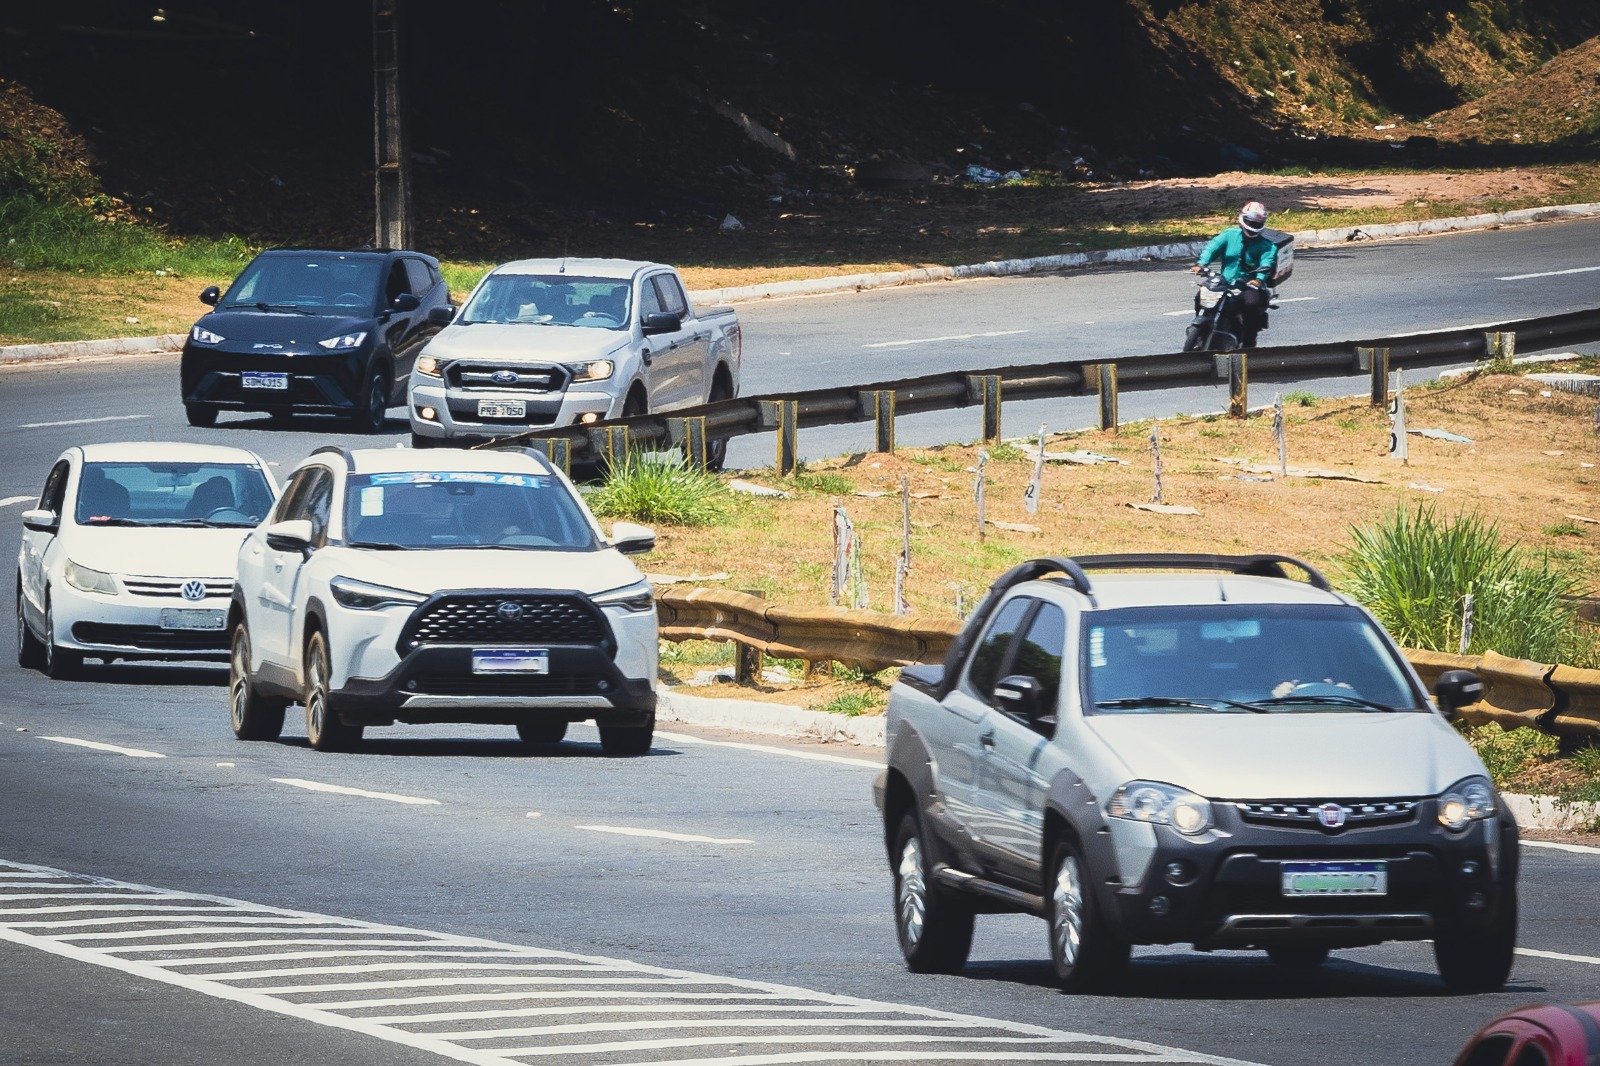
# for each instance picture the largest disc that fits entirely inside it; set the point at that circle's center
(1244, 253)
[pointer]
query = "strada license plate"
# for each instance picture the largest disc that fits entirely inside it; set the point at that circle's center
(510, 661)
(1335, 878)
(502, 408)
(265, 379)
(174, 618)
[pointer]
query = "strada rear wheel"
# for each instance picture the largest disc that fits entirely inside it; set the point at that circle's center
(1086, 954)
(933, 924)
(542, 732)
(254, 716)
(30, 652)
(324, 728)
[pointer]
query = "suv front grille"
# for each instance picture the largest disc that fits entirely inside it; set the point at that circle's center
(1306, 814)
(491, 619)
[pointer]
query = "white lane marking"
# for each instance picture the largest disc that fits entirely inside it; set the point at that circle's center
(236, 944)
(81, 421)
(132, 753)
(662, 834)
(226, 765)
(1176, 314)
(632, 1024)
(951, 337)
(769, 749)
(345, 790)
(542, 994)
(1535, 953)
(9, 500)
(380, 967)
(625, 1008)
(534, 814)
(460, 982)
(1553, 845)
(1548, 274)
(745, 1040)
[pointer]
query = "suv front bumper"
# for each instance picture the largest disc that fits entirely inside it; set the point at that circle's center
(323, 382)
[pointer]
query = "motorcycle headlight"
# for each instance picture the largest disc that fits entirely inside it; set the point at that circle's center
(1210, 297)
(365, 596)
(86, 580)
(348, 340)
(635, 599)
(428, 366)
(1162, 804)
(1465, 802)
(201, 335)
(596, 370)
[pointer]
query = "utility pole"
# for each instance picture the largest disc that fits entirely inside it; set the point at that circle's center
(392, 173)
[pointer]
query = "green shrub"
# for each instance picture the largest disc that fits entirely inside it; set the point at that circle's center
(828, 484)
(660, 488)
(69, 236)
(1300, 398)
(1507, 754)
(852, 703)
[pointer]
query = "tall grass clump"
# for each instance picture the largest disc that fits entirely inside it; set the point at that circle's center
(660, 488)
(69, 235)
(1413, 569)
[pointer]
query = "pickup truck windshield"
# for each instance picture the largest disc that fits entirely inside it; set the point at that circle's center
(229, 495)
(310, 284)
(1239, 658)
(550, 300)
(464, 509)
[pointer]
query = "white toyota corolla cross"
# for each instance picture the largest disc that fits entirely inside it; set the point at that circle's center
(441, 586)
(130, 553)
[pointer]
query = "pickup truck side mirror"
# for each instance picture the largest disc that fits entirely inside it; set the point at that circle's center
(1024, 697)
(292, 536)
(41, 520)
(1456, 689)
(210, 295)
(660, 322)
(406, 301)
(631, 539)
(441, 316)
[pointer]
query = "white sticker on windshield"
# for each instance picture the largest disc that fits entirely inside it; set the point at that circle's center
(372, 501)
(1097, 646)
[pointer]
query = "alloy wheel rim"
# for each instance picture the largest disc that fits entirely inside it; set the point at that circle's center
(913, 892)
(240, 656)
(1066, 912)
(315, 708)
(375, 402)
(49, 637)
(22, 634)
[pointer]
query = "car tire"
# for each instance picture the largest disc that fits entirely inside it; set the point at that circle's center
(200, 417)
(420, 442)
(717, 447)
(281, 419)
(1087, 955)
(60, 664)
(628, 740)
(30, 650)
(1478, 960)
(372, 407)
(254, 716)
(1298, 956)
(324, 728)
(933, 924)
(542, 732)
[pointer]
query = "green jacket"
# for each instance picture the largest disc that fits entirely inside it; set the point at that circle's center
(1242, 257)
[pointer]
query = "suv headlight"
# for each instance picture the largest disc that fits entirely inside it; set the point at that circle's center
(636, 598)
(348, 340)
(365, 596)
(201, 335)
(428, 366)
(1153, 801)
(1467, 801)
(597, 370)
(86, 580)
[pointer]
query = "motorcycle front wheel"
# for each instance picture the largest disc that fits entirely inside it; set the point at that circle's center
(1196, 338)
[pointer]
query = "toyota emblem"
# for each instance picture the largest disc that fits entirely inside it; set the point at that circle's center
(1332, 816)
(510, 611)
(505, 377)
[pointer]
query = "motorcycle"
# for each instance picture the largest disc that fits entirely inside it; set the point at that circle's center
(1218, 315)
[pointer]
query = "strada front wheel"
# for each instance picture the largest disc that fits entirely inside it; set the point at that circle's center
(542, 732)
(1479, 960)
(1085, 952)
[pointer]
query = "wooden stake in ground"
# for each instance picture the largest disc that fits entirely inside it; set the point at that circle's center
(844, 535)
(858, 580)
(904, 567)
(1397, 422)
(1279, 435)
(1030, 498)
(978, 488)
(1155, 456)
(1466, 622)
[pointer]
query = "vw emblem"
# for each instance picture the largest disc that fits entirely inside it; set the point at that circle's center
(1332, 816)
(505, 377)
(510, 611)
(193, 590)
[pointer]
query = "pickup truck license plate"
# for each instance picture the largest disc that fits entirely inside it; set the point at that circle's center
(265, 379)
(502, 408)
(510, 661)
(175, 618)
(1335, 878)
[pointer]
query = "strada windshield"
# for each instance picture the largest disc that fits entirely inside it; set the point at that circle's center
(464, 509)
(309, 284)
(549, 300)
(220, 495)
(1241, 658)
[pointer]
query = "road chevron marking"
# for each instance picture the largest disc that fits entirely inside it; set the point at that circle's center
(569, 1013)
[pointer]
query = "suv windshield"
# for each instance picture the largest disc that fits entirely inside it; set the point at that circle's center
(464, 509)
(313, 284)
(1239, 658)
(229, 495)
(550, 300)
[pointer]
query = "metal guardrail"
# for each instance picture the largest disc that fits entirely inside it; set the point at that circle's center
(881, 402)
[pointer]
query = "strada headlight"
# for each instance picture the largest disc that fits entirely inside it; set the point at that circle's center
(201, 335)
(86, 580)
(597, 370)
(636, 598)
(365, 596)
(428, 366)
(1465, 802)
(1161, 804)
(348, 340)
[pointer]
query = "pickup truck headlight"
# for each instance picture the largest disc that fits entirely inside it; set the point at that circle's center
(86, 580)
(347, 340)
(365, 596)
(1163, 804)
(635, 599)
(1467, 801)
(428, 366)
(597, 370)
(201, 335)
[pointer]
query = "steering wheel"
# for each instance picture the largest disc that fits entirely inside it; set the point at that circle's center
(228, 513)
(349, 299)
(601, 315)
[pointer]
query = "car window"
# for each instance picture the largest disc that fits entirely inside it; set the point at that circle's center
(318, 504)
(292, 492)
(55, 487)
(991, 651)
(464, 509)
(316, 284)
(1040, 651)
(398, 282)
(671, 293)
(417, 273)
(649, 299)
(228, 495)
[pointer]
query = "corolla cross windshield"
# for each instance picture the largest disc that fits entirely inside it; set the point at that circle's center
(464, 509)
(1240, 659)
(307, 284)
(549, 300)
(218, 495)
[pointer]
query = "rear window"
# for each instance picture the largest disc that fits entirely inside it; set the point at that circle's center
(464, 509)
(172, 494)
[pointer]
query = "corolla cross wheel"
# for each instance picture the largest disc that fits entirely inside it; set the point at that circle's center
(254, 716)
(374, 403)
(933, 924)
(30, 652)
(324, 728)
(1298, 956)
(1086, 954)
(542, 732)
(60, 663)
(628, 739)
(1479, 960)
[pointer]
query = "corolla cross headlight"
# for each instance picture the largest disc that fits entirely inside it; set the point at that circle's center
(1465, 802)
(201, 335)
(428, 366)
(86, 580)
(365, 596)
(1152, 801)
(636, 598)
(348, 340)
(597, 370)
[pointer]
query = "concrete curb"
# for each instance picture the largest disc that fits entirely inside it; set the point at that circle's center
(60, 350)
(1547, 812)
(770, 719)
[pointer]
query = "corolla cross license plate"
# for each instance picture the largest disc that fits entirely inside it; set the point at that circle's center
(1335, 878)
(177, 618)
(502, 408)
(510, 661)
(264, 379)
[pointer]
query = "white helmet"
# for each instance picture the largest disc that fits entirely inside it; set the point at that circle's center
(1253, 217)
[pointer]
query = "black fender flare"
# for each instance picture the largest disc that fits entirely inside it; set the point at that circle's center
(909, 784)
(1072, 810)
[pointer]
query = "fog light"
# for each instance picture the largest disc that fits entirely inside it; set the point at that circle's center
(1179, 873)
(1469, 869)
(588, 418)
(1477, 901)
(603, 685)
(1160, 907)
(411, 686)
(428, 414)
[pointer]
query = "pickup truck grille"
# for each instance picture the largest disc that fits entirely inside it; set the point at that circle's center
(1306, 814)
(491, 377)
(511, 618)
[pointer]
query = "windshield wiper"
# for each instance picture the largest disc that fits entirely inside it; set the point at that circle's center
(1329, 698)
(282, 308)
(102, 520)
(382, 545)
(1207, 703)
(200, 523)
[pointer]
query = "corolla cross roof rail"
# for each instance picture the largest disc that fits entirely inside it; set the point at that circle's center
(1243, 565)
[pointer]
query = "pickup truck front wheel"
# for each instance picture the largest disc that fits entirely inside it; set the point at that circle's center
(934, 924)
(1086, 954)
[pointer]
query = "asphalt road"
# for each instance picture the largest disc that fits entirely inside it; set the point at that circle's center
(790, 887)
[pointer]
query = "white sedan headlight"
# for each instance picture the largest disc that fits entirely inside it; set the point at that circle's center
(1162, 804)
(348, 340)
(635, 599)
(596, 370)
(1465, 802)
(201, 335)
(365, 596)
(86, 580)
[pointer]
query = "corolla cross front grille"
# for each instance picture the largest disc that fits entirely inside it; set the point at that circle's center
(1329, 816)
(511, 618)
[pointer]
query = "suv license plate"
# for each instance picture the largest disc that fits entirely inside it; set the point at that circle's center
(502, 408)
(265, 379)
(510, 661)
(174, 618)
(1335, 878)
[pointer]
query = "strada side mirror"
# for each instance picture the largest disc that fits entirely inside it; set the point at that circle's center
(632, 539)
(1023, 697)
(41, 520)
(210, 295)
(406, 301)
(441, 316)
(660, 322)
(1456, 689)
(292, 536)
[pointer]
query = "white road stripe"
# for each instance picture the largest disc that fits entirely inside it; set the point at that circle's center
(132, 753)
(1535, 953)
(770, 749)
(494, 997)
(635, 1024)
(1548, 274)
(209, 912)
(215, 944)
(9, 500)
(82, 421)
(345, 790)
(285, 956)
(382, 967)
(453, 982)
(1555, 845)
(951, 337)
(628, 1008)
(296, 925)
(662, 834)
(921, 1055)
(616, 1046)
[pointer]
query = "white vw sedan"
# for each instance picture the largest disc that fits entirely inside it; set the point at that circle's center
(130, 553)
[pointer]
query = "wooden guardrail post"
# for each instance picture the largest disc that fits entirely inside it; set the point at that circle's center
(690, 435)
(1238, 384)
(747, 659)
(986, 387)
(1108, 396)
(882, 405)
(1500, 347)
(1378, 364)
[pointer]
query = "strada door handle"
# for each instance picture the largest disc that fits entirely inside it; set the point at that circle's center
(987, 739)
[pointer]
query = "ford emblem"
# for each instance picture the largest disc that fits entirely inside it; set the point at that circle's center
(1332, 816)
(510, 611)
(505, 377)
(193, 590)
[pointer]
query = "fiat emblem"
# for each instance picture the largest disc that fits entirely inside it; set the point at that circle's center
(1331, 815)
(193, 590)
(510, 612)
(505, 377)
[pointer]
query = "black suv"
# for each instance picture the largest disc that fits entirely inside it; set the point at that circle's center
(301, 330)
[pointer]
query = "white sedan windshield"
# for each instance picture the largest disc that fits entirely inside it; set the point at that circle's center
(172, 494)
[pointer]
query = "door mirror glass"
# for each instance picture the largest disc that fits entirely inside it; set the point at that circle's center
(40, 520)
(210, 295)
(1021, 697)
(293, 536)
(632, 539)
(1456, 689)
(441, 316)
(660, 322)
